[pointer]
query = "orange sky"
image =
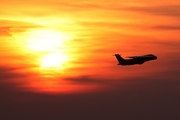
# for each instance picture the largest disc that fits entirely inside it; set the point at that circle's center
(85, 34)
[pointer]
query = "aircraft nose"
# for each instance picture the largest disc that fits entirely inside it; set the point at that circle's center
(155, 57)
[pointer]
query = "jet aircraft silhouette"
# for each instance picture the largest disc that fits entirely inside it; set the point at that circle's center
(135, 59)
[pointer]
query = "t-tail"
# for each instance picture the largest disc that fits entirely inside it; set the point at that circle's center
(119, 58)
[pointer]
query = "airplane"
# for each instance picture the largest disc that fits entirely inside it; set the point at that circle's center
(135, 59)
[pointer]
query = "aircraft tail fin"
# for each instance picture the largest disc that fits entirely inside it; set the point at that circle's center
(119, 58)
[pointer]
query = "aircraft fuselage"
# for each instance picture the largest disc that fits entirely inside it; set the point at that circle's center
(135, 59)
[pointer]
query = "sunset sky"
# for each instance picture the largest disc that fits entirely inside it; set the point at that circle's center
(57, 59)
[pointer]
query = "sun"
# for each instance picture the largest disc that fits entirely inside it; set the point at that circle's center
(50, 48)
(53, 60)
(52, 64)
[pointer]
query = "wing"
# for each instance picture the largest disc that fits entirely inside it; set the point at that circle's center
(144, 56)
(134, 56)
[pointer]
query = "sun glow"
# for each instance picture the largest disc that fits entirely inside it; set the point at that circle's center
(52, 64)
(53, 60)
(45, 40)
(49, 59)
(49, 46)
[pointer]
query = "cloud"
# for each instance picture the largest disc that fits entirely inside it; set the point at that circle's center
(4, 31)
(9, 74)
(17, 23)
(167, 27)
(167, 10)
(87, 80)
(8, 26)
